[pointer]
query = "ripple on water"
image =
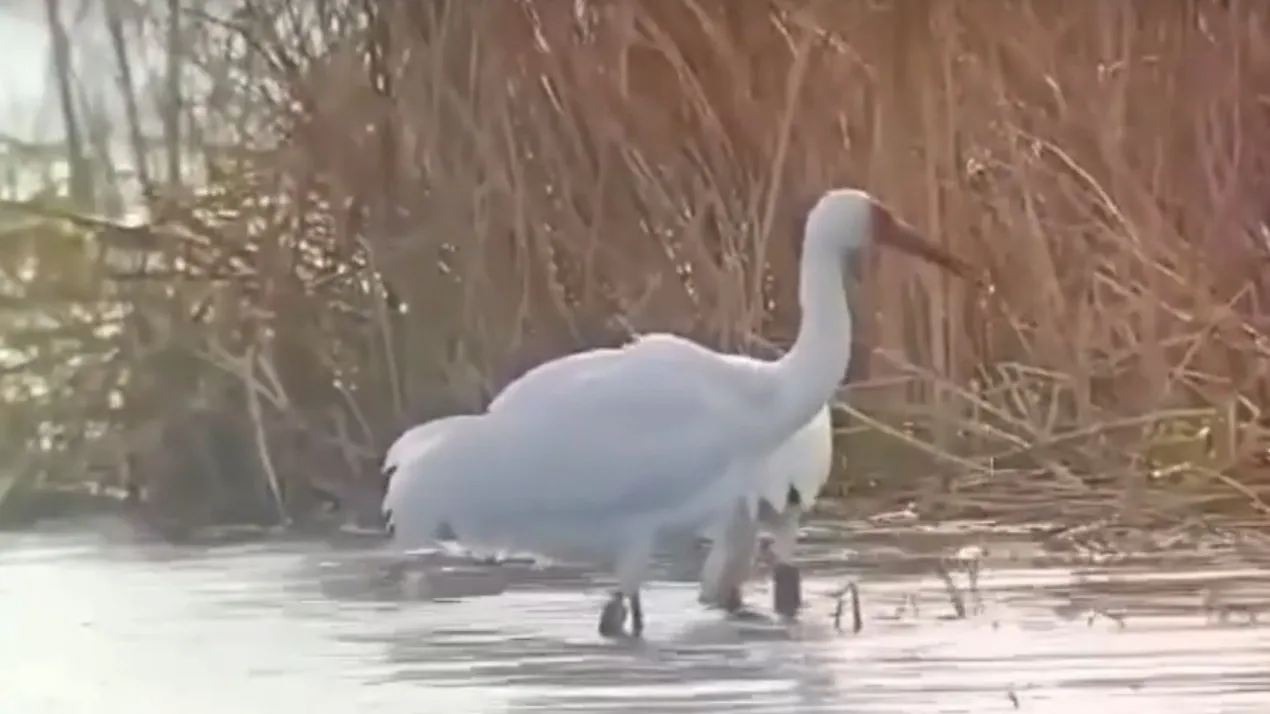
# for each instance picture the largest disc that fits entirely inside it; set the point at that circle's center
(263, 628)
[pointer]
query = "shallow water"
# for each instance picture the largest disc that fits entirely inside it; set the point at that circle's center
(94, 626)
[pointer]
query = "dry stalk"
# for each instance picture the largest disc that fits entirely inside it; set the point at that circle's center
(916, 443)
(954, 593)
(346, 446)
(1116, 617)
(384, 327)
(242, 367)
(562, 167)
(262, 438)
(840, 604)
(245, 369)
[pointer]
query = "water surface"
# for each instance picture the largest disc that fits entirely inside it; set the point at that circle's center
(95, 626)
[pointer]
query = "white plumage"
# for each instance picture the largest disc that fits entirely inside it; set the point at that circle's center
(595, 471)
(802, 464)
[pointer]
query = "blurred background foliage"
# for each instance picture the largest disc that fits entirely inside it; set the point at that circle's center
(284, 231)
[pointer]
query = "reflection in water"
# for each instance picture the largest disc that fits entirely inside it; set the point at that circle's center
(303, 627)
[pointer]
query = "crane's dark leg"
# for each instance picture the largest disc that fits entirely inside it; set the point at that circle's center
(731, 560)
(631, 569)
(787, 580)
(613, 616)
(787, 590)
(735, 606)
(637, 615)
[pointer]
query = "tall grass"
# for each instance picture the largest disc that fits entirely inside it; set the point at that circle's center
(1103, 164)
(528, 178)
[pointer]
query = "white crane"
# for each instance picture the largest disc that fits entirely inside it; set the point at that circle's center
(790, 481)
(656, 440)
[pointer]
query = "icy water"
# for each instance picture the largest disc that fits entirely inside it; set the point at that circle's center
(91, 625)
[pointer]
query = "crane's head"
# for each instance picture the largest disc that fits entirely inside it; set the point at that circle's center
(845, 219)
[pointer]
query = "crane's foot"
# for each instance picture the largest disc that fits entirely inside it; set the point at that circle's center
(613, 616)
(719, 601)
(787, 590)
(737, 610)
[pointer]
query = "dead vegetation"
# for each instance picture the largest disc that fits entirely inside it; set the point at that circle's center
(403, 205)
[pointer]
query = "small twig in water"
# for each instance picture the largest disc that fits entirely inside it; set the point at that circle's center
(1211, 605)
(972, 558)
(972, 575)
(1216, 606)
(857, 620)
(1116, 617)
(907, 605)
(954, 593)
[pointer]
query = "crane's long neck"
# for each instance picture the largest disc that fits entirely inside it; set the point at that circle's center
(810, 372)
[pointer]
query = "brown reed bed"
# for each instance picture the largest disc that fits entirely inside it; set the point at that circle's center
(462, 189)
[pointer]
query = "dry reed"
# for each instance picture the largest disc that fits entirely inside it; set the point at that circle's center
(646, 159)
(528, 178)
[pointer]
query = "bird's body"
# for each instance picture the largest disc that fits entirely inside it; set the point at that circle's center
(788, 484)
(658, 439)
(592, 470)
(787, 481)
(540, 485)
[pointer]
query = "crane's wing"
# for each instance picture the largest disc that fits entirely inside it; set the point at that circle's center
(801, 463)
(543, 382)
(669, 395)
(658, 361)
